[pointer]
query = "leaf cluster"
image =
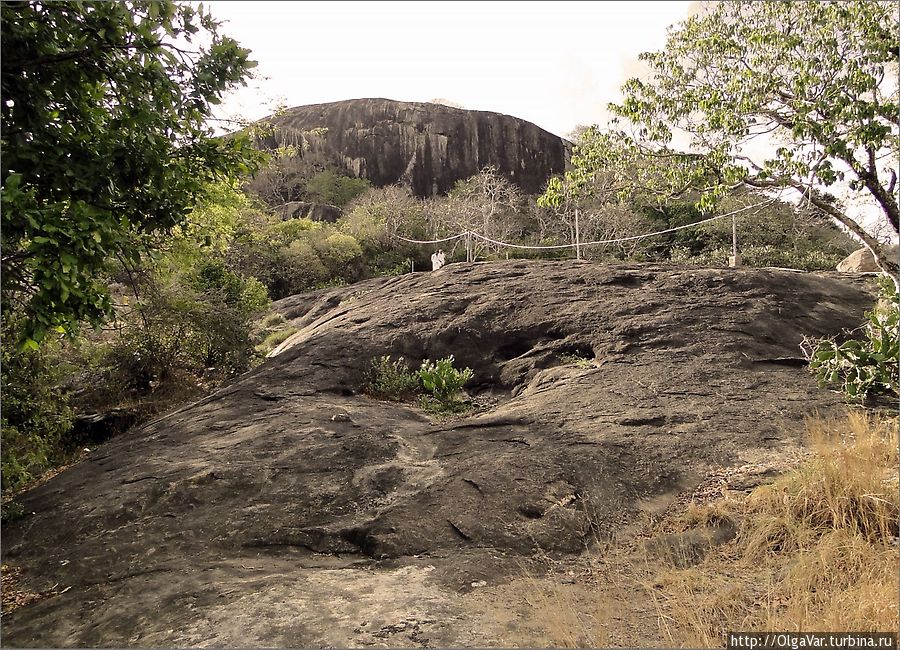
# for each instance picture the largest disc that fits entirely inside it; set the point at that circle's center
(869, 365)
(393, 380)
(105, 142)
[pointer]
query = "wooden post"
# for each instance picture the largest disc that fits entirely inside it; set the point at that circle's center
(577, 237)
(734, 235)
(735, 260)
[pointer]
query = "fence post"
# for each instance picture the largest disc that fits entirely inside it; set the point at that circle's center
(577, 237)
(735, 260)
(468, 246)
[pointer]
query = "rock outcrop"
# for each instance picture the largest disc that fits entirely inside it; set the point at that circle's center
(428, 146)
(309, 210)
(862, 261)
(289, 509)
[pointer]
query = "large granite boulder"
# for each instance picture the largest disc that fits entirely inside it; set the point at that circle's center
(428, 146)
(290, 510)
(862, 261)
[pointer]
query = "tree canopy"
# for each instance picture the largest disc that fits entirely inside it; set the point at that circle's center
(799, 96)
(105, 141)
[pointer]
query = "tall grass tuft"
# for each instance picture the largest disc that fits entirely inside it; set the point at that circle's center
(816, 550)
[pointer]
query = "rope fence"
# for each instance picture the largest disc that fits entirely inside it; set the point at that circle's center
(469, 234)
(432, 241)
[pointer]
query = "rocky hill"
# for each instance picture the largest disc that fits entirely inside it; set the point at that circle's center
(289, 509)
(428, 146)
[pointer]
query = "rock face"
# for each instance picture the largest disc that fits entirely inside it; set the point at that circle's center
(289, 509)
(862, 261)
(314, 211)
(428, 146)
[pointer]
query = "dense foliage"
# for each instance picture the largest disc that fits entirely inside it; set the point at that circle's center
(104, 142)
(35, 414)
(814, 80)
(864, 366)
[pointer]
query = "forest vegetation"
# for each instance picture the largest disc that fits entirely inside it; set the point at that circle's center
(142, 251)
(115, 293)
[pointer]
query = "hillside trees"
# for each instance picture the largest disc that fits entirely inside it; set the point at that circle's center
(815, 80)
(486, 203)
(105, 142)
(377, 217)
(291, 175)
(106, 152)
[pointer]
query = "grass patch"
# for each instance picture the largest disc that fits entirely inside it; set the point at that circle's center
(275, 339)
(271, 320)
(816, 550)
(576, 360)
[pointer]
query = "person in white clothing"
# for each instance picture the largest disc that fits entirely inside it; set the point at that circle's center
(435, 262)
(440, 258)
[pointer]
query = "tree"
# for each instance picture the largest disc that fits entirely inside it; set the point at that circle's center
(335, 188)
(378, 218)
(816, 80)
(486, 203)
(284, 177)
(105, 142)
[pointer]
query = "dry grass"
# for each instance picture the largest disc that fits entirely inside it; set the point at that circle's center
(14, 597)
(815, 550)
(565, 626)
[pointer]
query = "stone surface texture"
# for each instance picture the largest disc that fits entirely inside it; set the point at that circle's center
(290, 509)
(428, 146)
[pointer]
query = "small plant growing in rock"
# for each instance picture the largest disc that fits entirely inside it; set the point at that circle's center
(444, 381)
(868, 365)
(275, 339)
(271, 320)
(391, 380)
(576, 360)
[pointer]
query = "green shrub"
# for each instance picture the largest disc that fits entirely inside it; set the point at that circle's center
(342, 256)
(188, 326)
(284, 232)
(401, 268)
(298, 269)
(867, 365)
(391, 380)
(35, 414)
(216, 283)
(331, 186)
(761, 255)
(576, 360)
(442, 380)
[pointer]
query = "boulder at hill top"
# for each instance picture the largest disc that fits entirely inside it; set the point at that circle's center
(428, 146)
(289, 509)
(862, 261)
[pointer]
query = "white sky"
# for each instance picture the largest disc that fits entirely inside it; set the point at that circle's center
(556, 64)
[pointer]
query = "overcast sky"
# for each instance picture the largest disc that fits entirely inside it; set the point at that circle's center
(556, 64)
